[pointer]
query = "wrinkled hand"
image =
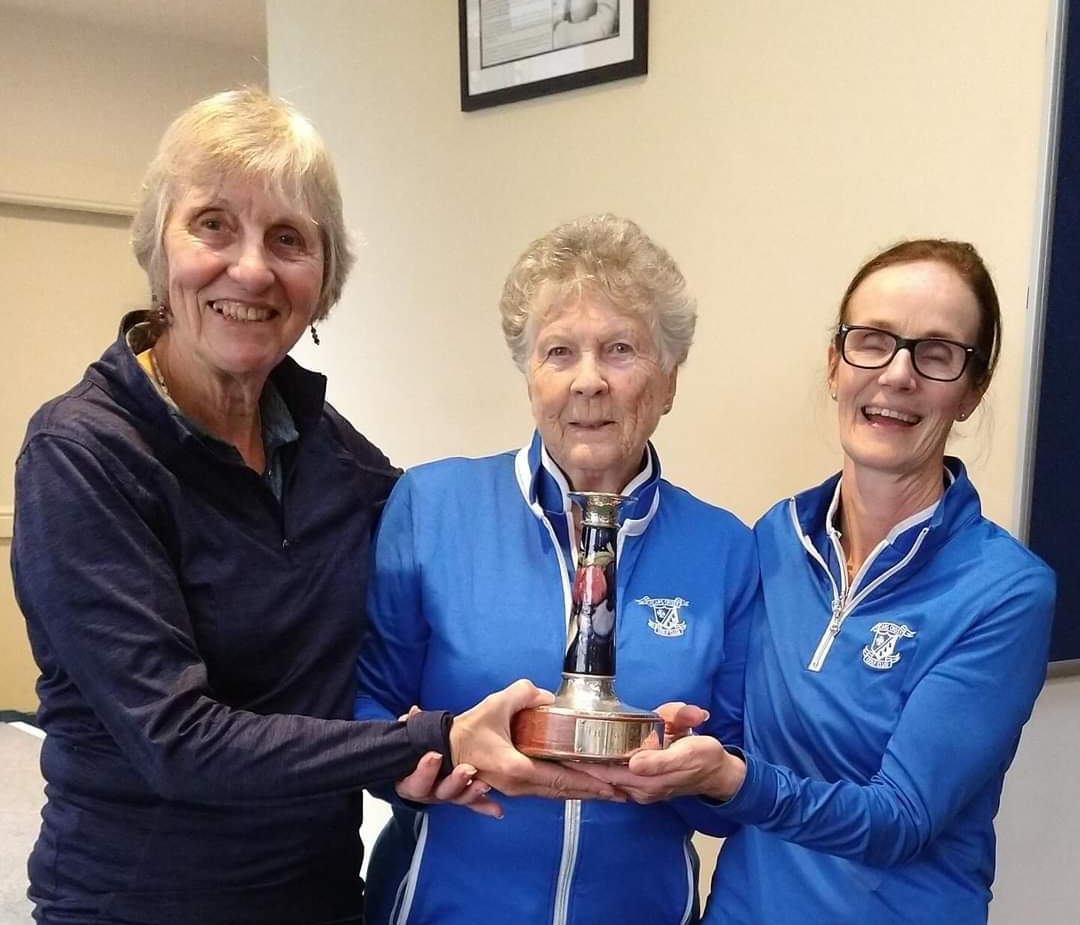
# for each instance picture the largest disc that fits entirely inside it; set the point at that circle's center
(480, 738)
(692, 765)
(680, 719)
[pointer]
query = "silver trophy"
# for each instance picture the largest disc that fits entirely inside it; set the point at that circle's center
(587, 721)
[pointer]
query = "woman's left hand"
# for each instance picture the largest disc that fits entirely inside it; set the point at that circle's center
(692, 765)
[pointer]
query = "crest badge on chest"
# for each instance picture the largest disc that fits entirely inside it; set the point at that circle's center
(666, 620)
(881, 652)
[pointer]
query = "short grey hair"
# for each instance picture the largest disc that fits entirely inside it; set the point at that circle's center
(601, 255)
(245, 132)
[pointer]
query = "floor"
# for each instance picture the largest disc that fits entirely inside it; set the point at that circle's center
(20, 806)
(21, 798)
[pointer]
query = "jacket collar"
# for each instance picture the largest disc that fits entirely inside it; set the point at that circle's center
(119, 373)
(958, 506)
(546, 491)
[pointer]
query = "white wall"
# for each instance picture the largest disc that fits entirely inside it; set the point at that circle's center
(82, 110)
(1038, 825)
(771, 148)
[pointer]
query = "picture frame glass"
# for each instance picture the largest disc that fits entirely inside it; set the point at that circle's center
(519, 49)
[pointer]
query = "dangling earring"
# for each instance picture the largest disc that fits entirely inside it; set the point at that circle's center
(159, 311)
(315, 335)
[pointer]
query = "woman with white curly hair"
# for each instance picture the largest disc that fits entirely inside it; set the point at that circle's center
(473, 585)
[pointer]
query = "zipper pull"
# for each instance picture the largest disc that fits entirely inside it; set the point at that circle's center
(836, 619)
(832, 630)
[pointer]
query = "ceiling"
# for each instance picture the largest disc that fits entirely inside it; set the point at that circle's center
(239, 24)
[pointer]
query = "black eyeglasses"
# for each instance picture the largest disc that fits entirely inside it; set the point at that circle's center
(932, 357)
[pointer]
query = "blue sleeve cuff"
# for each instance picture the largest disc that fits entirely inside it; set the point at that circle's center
(757, 794)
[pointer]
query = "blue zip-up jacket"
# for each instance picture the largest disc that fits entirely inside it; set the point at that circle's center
(471, 589)
(197, 644)
(881, 717)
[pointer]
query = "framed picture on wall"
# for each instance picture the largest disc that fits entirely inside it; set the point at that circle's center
(519, 49)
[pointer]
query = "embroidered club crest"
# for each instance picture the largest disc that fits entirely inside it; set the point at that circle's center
(881, 653)
(665, 619)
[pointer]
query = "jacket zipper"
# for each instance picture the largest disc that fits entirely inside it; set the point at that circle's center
(571, 833)
(831, 632)
(406, 890)
(571, 808)
(836, 620)
(691, 885)
(842, 604)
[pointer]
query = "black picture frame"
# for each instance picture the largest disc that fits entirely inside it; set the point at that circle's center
(505, 65)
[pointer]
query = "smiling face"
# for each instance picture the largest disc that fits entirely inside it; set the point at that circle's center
(598, 391)
(892, 420)
(245, 271)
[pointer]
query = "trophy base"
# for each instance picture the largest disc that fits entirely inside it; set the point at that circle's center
(587, 722)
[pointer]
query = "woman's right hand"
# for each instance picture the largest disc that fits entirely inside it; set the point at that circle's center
(459, 787)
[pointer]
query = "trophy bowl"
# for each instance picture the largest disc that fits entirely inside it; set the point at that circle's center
(587, 722)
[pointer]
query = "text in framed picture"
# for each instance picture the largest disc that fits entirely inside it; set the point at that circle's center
(519, 49)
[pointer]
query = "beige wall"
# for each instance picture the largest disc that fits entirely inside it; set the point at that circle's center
(90, 103)
(771, 148)
(68, 275)
(82, 109)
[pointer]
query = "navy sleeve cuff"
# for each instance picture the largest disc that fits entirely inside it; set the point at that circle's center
(429, 731)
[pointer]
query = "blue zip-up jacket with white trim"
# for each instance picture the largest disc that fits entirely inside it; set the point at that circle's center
(471, 590)
(881, 718)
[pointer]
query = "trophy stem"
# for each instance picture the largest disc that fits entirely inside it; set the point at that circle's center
(591, 650)
(587, 721)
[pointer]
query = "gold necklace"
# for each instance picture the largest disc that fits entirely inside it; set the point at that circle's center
(158, 377)
(160, 380)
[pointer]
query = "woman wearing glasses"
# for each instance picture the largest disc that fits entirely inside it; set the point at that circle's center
(902, 643)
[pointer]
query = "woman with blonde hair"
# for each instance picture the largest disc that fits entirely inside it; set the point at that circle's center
(190, 552)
